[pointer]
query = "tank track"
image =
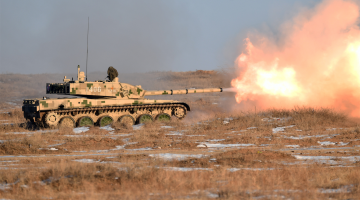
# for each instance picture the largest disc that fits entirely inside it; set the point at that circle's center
(118, 109)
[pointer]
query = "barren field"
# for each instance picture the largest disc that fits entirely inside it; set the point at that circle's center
(217, 151)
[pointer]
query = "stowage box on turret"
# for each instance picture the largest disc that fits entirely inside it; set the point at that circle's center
(103, 102)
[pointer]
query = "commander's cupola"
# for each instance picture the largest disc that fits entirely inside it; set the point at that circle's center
(81, 75)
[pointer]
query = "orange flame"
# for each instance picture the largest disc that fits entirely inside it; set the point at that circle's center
(317, 63)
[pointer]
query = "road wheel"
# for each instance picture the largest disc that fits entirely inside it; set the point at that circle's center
(85, 121)
(127, 120)
(67, 122)
(145, 118)
(163, 117)
(179, 112)
(51, 119)
(106, 120)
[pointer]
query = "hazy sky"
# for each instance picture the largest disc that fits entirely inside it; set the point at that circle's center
(43, 36)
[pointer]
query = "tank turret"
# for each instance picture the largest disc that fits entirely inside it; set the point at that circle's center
(103, 102)
(112, 89)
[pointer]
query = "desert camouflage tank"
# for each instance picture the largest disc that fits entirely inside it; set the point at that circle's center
(103, 102)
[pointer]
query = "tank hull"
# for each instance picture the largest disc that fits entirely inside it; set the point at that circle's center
(104, 101)
(72, 111)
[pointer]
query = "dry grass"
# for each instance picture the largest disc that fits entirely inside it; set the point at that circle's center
(127, 163)
(64, 180)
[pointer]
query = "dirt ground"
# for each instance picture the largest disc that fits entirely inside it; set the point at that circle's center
(217, 151)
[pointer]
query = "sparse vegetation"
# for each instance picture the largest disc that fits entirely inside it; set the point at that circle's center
(176, 160)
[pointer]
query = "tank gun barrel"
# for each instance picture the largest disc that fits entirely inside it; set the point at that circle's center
(185, 91)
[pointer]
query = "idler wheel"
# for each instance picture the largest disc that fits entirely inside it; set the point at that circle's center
(106, 120)
(85, 121)
(51, 119)
(145, 118)
(179, 112)
(127, 120)
(163, 117)
(67, 122)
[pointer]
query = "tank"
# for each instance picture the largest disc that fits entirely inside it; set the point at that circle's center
(104, 102)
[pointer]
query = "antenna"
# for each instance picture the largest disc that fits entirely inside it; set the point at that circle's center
(87, 48)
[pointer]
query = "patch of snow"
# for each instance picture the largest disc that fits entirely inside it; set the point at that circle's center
(12, 124)
(124, 135)
(100, 151)
(33, 132)
(308, 136)
(172, 156)
(141, 149)
(215, 140)
(119, 147)
(111, 136)
(51, 149)
(4, 187)
(138, 126)
(265, 145)
(80, 129)
(281, 129)
(174, 133)
(292, 146)
(333, 129)
(166, 127)
(185, 169)
(326, 143)
(84, 160)
(58, 155)
(126, 140)
(212, 195)
(227, 120)
(110, 162)
(344, 189)
(108, 128)
(209, 145)
(343, 143)
(349, 158)
(76, 135)
(252, 169)
(252, 128)
(9, 161)
(208, 194)
(195, 135)
(54, 145)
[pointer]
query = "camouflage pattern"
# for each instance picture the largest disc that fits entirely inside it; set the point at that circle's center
(103, 101)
